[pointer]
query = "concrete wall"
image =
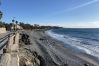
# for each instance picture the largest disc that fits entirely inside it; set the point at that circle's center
(2, 30)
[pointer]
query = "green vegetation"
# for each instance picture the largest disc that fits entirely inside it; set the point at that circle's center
(25, 26)
(1, 15)
(35, 26)
(1, 24)
(6, 25)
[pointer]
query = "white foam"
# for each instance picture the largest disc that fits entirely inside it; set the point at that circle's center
(75, 42)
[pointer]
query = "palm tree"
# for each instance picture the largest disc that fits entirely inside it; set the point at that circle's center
(13, 20)
(16, 22)
(16, 25)
(0, 12)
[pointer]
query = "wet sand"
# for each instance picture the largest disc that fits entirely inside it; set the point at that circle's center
(54, 53)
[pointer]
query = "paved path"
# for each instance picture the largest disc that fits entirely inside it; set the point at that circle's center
(11, 58)
(4, 34)
(3, 41)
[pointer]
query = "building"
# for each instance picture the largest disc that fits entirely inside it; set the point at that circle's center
(16, 27)
(2, 30)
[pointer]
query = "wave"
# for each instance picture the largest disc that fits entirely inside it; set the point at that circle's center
(76, 43)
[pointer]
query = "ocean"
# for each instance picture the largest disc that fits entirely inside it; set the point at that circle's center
(82, 39)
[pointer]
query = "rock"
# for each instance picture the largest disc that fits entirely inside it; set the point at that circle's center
(4, 50)
(64, 65)
(86, 64)
(28, 58)
(25, 39)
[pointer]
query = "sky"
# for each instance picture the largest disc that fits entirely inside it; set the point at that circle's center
(65, 13)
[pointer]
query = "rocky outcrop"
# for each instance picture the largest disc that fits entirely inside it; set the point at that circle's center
(28, 58)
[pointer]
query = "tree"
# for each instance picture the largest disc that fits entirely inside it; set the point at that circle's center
(0, 12)
(1, 24)
(13, 21)
(1, 15)
(16, 22)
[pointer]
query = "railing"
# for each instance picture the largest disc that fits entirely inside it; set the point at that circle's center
(10, 56)
(4, 40)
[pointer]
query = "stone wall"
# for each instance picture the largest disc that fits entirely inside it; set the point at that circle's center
(2, 30)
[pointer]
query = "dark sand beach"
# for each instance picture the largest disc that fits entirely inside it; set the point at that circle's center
(54, 53)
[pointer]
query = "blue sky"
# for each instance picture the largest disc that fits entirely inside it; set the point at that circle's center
(66, 13)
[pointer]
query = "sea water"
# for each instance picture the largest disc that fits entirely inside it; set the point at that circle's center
(82, 39)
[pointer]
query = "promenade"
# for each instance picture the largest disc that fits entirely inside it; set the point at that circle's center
(10, 53)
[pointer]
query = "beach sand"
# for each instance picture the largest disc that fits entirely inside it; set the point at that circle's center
(54, 53)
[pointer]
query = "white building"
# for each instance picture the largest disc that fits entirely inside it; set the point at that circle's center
(2, 30)
(18, 27)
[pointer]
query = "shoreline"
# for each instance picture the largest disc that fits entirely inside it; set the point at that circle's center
(76, 48)
(83, 55)
(53, 51)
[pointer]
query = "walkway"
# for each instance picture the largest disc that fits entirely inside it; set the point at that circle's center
(10, 56)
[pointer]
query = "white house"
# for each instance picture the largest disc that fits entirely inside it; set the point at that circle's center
(17, 27)
(2, 30)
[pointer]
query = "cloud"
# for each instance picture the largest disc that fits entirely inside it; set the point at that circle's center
(94, 24)
(85, 4)
(76, 7)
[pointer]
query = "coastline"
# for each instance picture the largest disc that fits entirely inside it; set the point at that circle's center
(76, 43)
(55, 54)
